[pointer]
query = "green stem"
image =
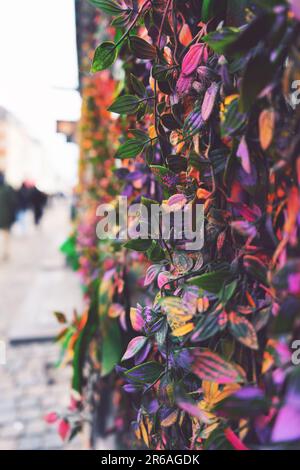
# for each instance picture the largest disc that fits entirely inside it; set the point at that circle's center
(132, 24)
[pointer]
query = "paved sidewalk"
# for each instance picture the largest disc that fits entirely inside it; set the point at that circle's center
(33, 284)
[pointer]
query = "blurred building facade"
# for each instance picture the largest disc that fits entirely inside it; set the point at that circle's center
(21, 156)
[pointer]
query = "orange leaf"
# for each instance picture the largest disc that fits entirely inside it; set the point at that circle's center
(266, 127)
(185, 35)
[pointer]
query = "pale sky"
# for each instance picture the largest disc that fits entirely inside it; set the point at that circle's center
(38, 69)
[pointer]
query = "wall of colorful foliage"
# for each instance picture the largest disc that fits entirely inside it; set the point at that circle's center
(194, 348)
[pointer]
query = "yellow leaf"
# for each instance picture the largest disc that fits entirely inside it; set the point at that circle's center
(144, 433)
(210, 389)
(226, 392)
(208, 430)
(183, 330)
(170, 419)
(152, 132)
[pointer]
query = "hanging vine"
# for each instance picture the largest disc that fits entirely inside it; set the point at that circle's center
(209, 114)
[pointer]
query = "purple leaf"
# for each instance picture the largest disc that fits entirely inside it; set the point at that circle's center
(134, 346)
(209, 101)
(193, 410)
(295, 7)
(142, 354)
(287, 424)
(151, 274)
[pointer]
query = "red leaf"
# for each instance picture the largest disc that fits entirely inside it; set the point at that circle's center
(63, 428)
(234, 440)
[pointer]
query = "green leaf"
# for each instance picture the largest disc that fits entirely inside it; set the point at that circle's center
(145, 373)
(259, 73)
(211, 282)
(130, 149)
(139, 135)
(110, 345)
(105, 55)
(164, 176)
(127, 104)
(138, 244)
(193, 123)
(227, 292)
(220, 41)
(233, 119)
(256, 268)
(81, 346)
(209, 366)
(212, 8)
(161, 72)
(108, 6)
(141, 48)
(208, 326)
(155, 252)
(218, 159)
(243, 330)
(148, 202)
(69, 249)
(138, 86)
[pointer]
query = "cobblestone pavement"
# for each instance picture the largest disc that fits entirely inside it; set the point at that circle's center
(33, 283)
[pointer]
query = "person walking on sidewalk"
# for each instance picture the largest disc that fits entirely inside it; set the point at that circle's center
(8, 205)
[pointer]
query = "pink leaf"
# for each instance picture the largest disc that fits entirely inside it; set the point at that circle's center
(162, 280)
(51, 418)
(136, 318)
(134, 347)
(177, 201)
(197, 54)
(294, 283)
(194, 410)
(213, 368)
(184, 84)
(244, 228)
(243, 154)
(63, 429)
(151, 274)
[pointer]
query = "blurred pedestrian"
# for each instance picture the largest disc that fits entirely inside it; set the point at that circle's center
(8, 206)
(23, 197)
(38, 201)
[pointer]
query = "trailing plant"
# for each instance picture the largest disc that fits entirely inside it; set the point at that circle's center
(209, 115)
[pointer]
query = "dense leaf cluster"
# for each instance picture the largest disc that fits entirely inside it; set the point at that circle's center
(208, 115)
